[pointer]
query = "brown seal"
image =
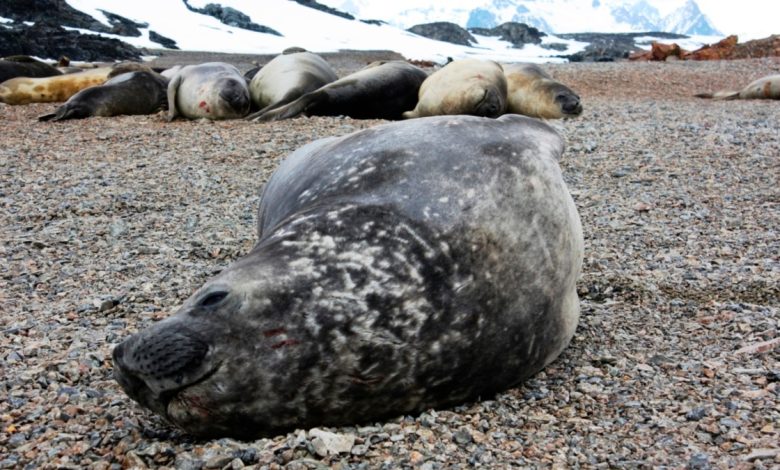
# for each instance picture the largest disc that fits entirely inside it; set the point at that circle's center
(532, 92)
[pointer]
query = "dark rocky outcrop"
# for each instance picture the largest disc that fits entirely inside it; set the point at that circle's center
(52, 41)
(231, 17)
(519, 34)
(122, 26)
(319, 6)
(608, 47)
(444, 31)
(167, 43)
(60, 13)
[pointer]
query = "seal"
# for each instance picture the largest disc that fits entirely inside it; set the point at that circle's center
(532, 92)
(138, 92)
(394, 272)
(468, 86)
(767, 88)
(286, 78)
(381, 90)
(25, 90)
(214, 90)
(25, 66)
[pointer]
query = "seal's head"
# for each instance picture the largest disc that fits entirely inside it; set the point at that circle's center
(567, 100)
(204, 368)
(234, 96)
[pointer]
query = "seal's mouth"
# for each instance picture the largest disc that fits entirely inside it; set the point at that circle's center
(158, 401)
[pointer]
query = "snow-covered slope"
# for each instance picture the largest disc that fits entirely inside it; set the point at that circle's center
(300, 26)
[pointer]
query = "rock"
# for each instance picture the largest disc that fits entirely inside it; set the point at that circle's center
(462, 436)
(699, 462)
(759, 348)
(762, 454)
(54, 41)
(231, 17)
(608, 47)
(162, 40)
(328, 443)
(519, 34)
(319, 6)
(723, 49)
(444, 31)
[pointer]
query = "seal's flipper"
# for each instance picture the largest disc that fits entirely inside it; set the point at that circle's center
(293, 109)
(173, 86)
(47, 117)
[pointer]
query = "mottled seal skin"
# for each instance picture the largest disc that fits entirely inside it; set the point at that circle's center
(765, 88)
(287, 77)
(214, 90)
(468, 86)
(532, 92)
(381, 90)
(25, 66)
(25, 90)
(140, 92)
(394, 272)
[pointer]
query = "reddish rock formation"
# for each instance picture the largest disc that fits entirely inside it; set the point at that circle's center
(720, 50)
(727, 48)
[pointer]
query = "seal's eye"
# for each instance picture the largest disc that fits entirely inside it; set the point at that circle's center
(213, 298)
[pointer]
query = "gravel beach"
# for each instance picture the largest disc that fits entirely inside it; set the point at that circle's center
(108, 224)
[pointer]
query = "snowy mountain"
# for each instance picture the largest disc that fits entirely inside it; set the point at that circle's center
(688, 19)
(551, 16)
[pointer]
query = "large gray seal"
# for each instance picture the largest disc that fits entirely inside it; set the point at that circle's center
(467, 86)
(394, 272)
(766, 88)
(214, 90)
(381, 90)
(25, 66)
(286, 78)
(532, 92)
(139, 92)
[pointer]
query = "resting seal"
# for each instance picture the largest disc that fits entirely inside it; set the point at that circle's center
(767, 88)
(468, 86)
(24, 66)
(381, 90)
(531, 92)
(394, 272)
(214, 90)
(286, 78)
(140, 92)
(24, 90)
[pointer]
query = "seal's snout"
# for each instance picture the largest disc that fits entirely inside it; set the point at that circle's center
(153, 365)
(570, 104)
(491, 104)
(236, 96)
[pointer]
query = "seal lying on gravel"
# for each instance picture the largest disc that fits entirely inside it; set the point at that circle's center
(23, 90)
(394, 272)
(468, 86)
(214, 90)
(286, 78)
(381, 90)
(141, 92)
(531, 92)
(767, 88)
(24, 66)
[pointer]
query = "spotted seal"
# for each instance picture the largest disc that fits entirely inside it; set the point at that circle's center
(139, 92)
(381, 90)
(25, 66)
(286, 78)
(214, 90)
(467, 86)
(532, 92)
(767, 88)
(394, 272)
(24, 90)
